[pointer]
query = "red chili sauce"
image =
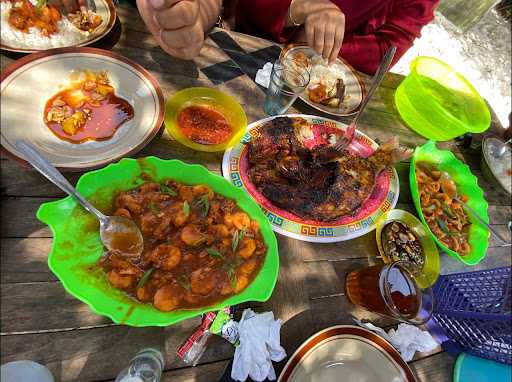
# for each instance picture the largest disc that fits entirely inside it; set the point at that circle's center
(204, 125)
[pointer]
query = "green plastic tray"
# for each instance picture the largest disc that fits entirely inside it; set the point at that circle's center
(467, 184)
(76, 246)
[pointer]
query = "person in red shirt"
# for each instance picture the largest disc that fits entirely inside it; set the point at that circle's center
(367, 28)
(360, 31)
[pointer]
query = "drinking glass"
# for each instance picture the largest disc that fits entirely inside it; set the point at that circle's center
(285, 86)
(390, 290)
(146, 366)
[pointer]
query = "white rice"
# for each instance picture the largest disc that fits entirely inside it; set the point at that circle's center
(68, 34)
(321, 73)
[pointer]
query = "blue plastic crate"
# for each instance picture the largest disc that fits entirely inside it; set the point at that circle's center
(473, 313)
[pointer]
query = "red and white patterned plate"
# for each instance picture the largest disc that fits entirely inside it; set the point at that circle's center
(383, 198)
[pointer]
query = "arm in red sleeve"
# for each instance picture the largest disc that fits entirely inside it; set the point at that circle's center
(403, 24)
(265, 18)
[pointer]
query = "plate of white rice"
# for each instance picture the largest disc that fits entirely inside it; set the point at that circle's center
(68, 35)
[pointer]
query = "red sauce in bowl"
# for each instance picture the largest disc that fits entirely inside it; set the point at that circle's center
(204, 125)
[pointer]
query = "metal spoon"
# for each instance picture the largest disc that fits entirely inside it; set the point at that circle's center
(377, 79)
(452, 192)
(117, 233)
(502, 150)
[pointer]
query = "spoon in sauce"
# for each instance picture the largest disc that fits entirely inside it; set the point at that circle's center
(118, 234)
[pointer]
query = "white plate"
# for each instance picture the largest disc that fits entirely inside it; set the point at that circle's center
(29, 82)
(354, 86)
(104, 8)
(346, 353)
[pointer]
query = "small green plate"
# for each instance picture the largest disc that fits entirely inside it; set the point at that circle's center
(467, 184)
(76, 246)
(432, 265)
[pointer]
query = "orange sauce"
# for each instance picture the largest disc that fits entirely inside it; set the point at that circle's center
(101, 117)
(105, 120)
(124, 242)
(204, 125)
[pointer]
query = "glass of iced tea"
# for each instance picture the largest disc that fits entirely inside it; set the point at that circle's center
(390, 290)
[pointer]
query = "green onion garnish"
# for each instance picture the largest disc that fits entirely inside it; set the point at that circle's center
(186, 208)
(168, 190)
(144, 279)
(183, 281)
(153, 208)
(213, 252)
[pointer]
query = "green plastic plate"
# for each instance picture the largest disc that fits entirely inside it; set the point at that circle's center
(76, 246)
(467, 184)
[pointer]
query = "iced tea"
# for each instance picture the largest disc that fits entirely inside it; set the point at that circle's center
(390, 290)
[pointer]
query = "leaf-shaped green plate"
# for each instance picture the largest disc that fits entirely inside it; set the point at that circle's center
(76, 246)
(467, 184)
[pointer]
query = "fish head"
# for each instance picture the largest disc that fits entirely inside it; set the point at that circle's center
(390, 152)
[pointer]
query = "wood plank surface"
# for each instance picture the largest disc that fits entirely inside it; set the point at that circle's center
(41, 322)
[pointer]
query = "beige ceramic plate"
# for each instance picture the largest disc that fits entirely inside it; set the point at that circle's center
(28, 83)
(346, 353)
(104, 8)
(354, 87)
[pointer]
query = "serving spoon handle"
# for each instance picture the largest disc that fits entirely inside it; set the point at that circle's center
(42, 165)
(491, 229)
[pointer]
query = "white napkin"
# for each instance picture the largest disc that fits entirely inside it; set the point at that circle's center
(263, 75)
(407, 339)
(259, 346)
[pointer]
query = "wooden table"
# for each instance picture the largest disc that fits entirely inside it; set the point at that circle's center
(40, 322)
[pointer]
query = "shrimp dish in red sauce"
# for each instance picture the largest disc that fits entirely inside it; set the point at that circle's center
(199, 247)
(45, 17)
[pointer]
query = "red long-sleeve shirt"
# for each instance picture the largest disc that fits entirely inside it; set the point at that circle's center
(371, 26)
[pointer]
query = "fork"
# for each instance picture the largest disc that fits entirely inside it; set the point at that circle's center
(91, 4)
(377, 79)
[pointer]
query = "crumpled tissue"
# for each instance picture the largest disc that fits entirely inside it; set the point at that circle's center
(407, 339)
(263, 75)
(259, 346)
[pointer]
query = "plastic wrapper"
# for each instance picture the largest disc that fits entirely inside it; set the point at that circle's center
(195, 345)
(226, 327)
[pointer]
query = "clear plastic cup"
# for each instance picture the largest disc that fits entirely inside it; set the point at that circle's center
(146, 366)
(286, 84)
(25, 371)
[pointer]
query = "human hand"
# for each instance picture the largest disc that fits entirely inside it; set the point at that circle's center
(324, 25)
(176, 24)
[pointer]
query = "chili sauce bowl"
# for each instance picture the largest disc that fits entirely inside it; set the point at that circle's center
(221, 102)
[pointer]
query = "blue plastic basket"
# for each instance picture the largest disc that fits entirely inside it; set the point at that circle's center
(473, 313)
